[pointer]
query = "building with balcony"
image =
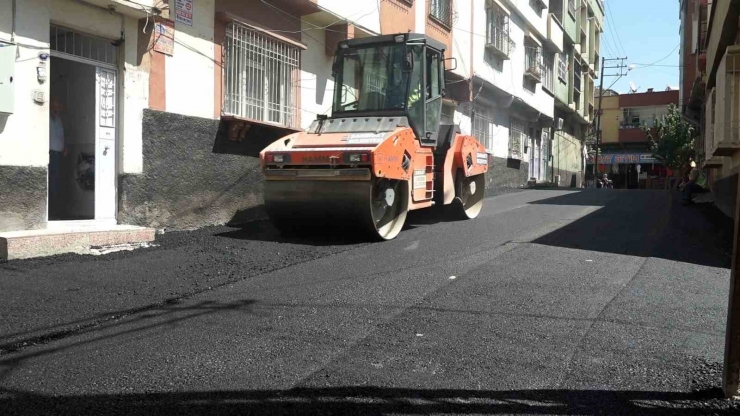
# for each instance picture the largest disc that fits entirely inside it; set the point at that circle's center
(164, 106)
(625, 153)
(718, 63)
(152, 113)
(694, 19)
(581, 25)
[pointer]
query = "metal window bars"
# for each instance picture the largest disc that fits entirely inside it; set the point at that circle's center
(93, 48)
(532, 64)
(441, 10)
(563, 66)
(483, 128)
(517, 136)
(548, 58)
(260, 76)
(497, 33)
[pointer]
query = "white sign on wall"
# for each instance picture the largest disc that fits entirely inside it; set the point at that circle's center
(184, 12)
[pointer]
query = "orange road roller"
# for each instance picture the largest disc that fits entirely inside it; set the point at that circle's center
(382, 153)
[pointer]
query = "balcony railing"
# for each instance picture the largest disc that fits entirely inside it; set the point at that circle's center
(532, 65)
(726, 137)
(499, 41)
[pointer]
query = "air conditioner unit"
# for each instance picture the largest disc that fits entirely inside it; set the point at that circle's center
(558, 124)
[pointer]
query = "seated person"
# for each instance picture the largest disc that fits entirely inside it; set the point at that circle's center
(696, 184)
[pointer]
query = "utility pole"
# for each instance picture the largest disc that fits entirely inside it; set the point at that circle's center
(622, 71)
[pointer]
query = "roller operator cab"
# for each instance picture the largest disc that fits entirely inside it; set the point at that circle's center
(383, 151)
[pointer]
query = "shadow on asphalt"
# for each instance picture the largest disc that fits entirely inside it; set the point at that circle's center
(263, 230)
(646, 224)
(165, 315)
(373, 401)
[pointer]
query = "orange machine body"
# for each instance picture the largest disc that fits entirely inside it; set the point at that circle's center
(431, 172)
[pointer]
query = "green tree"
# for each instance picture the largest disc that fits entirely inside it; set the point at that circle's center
(672, 140)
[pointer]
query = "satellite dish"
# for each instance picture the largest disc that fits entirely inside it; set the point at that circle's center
(633, 88)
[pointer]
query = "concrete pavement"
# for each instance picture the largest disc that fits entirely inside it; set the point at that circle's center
(551, 302)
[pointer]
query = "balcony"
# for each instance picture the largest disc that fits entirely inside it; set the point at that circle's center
(630, 133)
(499, 42)
(726, 138)
(532, 67)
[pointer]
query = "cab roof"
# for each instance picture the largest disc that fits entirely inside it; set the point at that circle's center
(358, 42)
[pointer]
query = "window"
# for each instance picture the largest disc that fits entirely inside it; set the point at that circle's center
(563, 67)
(556, 8)
(260, 76)
(532, 64)
(441, 10)
(434, 91)
(483, 128)
(548, 59)
(572, 8)
(497, 30)
(517, 138)
(630, 119)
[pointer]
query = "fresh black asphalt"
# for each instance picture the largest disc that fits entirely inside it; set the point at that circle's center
(551, 302)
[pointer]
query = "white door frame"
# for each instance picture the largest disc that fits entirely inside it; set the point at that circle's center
(97, 221)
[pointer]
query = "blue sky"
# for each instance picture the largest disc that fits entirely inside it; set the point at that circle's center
(645, 31)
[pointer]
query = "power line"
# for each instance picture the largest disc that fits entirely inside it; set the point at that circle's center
(614, 28)
(662, 59)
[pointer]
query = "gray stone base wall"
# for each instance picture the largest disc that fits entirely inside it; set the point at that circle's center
(191, 178)
(22, 197)
(724, 191)
(505, 174)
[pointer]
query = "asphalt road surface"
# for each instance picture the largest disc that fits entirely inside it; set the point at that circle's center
(551, 302)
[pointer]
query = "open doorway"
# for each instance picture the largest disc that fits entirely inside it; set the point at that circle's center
(82, 129)
(72, 141)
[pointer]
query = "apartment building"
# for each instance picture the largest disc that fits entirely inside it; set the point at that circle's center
(694, 20)
(162, 106)
(717, 50)
(578, 67)
(625, 153)
(153, 112)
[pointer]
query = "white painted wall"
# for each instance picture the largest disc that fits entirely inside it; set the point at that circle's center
(135, 95)
(189, 72)
(420, 16)
(461, 37)
(363, 13)
(509, 76)
(537, 23)
(24, 135)
(317, 85)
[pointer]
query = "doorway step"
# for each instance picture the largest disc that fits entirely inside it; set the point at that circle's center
(80, 239)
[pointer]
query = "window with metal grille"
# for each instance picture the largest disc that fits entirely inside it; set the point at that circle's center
(563, 67)
(517, 138)
(483, 127)
(260, 76)
(497, 29)
(93, 48)
(441, 10)
(548, 59)
(532, 62)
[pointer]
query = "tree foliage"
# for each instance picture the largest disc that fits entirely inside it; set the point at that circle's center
(672, 140)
